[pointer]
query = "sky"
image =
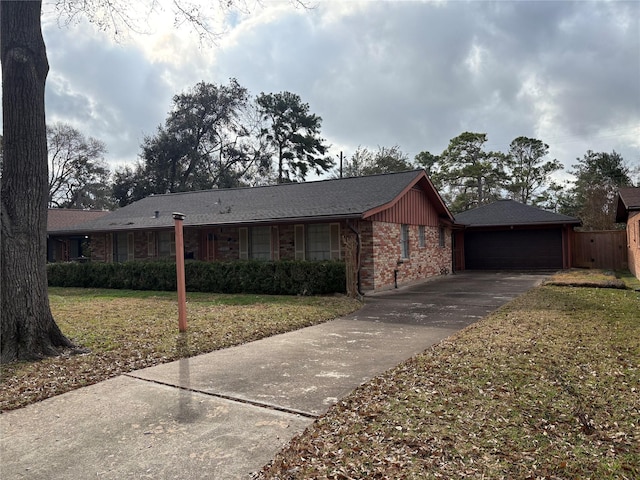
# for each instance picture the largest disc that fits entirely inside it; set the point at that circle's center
(379, 73)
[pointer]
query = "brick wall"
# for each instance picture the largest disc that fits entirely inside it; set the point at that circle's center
(226, 243)
(98, 247)
(380, 250)
(287, 246)
(102, 247)
(140, 245)
(423, 262)
(633, 243)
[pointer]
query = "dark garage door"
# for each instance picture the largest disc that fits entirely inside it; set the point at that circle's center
(513, 249)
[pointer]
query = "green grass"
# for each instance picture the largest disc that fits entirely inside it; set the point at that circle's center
(126, 330)
(546, 387)
(630, 281)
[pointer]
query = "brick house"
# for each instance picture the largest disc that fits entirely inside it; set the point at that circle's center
(628, 211)
(63, 247)
(392, 228)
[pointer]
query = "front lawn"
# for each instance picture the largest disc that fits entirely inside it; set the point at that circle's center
(127, 330)
(548, 387)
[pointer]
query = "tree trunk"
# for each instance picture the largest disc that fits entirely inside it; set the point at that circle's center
(27, 325)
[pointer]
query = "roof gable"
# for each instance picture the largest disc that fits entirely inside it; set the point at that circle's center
(628, 200)
(322, 200)
(510, 212)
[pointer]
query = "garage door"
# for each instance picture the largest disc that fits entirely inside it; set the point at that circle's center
(513, 250)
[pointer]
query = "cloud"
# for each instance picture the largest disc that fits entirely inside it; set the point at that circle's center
(108, 91)
(413, 74)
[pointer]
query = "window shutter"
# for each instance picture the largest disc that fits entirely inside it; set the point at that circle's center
(275, 244)
(131, 246)
(334, 241)
(243, 242)
(210, 246)
(172, 244)
(299, 242)
(109, 251)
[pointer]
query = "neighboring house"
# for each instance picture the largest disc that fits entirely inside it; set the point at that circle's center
(628, 211)
(64, 247)
(508, 235)
(393, 228)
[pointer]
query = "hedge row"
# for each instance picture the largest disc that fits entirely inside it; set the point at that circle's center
(274, 278)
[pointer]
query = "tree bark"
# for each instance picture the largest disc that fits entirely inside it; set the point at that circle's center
(27, 325)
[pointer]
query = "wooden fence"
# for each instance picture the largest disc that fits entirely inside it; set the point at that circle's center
(601, 249)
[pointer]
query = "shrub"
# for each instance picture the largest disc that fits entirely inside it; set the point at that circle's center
(285, 277)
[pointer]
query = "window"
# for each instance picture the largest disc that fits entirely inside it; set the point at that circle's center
(421, 236)
(166, 244)
(151, 244)
(404, 240)
(255, 243)
(123, 247)
(319, 241)
(442, 238)
(75, 247)
(260, 248)
(131, 246)
(335, 241)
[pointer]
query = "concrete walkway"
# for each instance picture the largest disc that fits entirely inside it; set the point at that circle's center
(225, 414)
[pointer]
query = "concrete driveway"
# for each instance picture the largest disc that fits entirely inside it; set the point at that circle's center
(225, 414)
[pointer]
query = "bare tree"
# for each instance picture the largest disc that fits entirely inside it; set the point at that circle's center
(77, 168)
(28, 329)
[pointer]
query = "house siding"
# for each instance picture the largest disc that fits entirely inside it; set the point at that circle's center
(633, 243)
(380, 249)
(413, 208)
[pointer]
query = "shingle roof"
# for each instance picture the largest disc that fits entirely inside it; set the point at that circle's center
(510, 212)
(60, 219)
(628, 199)
(326, 199)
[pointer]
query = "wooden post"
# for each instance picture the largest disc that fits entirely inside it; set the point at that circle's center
(182, 290)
